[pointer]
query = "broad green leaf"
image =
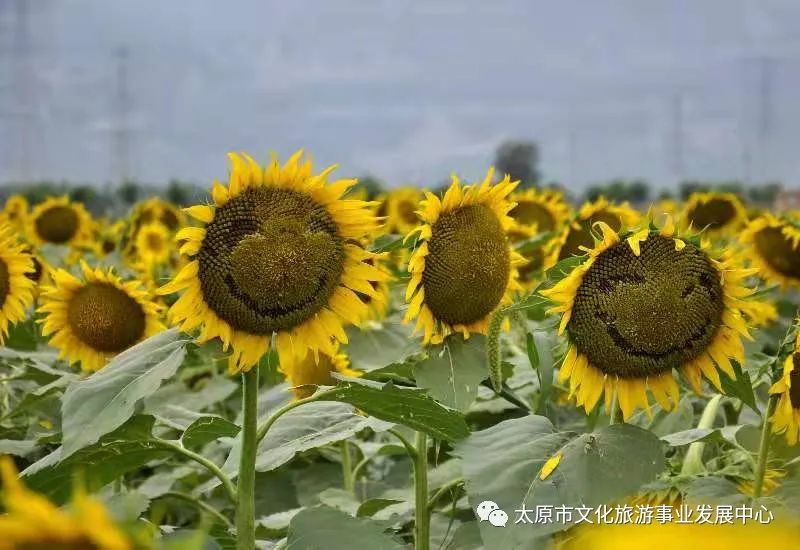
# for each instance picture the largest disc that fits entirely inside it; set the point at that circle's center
(540, 355)
(323, 527)
(452, 372)
(388, 243)
(16, 447)
(207, 429)
(503, 464)
(741, 387)
(128, 506)
(277, 524)
(177, 394)
(369, 349)
(126, 449)
(690, 436)
(713, 490)
(373, 506)
(308, 427)
(102, 402)
(408, 406)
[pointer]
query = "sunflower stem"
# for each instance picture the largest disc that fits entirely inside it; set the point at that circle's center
(176, 447)
(614, 415)
(763, 448)
(245, 507)
(347, 467)
(264, 428)
(421, 510)
(202, 506)
(693, 462)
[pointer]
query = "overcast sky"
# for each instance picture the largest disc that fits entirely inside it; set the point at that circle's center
(409, 91)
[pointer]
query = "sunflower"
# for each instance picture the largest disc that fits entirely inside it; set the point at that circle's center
(15, 211)
(639, 308)
(401, 206)
(153, 245)
(156, 209)
(16, 287)
(537, 211)
(278, 253)
(772, 480)
(714, 213)
(463, 267)
(579, 231)
(315, 371)
(108, 237)
(773, 246)
(32, 521)
(379, 302)
(59, 221)
(786, 419)
(94, 319)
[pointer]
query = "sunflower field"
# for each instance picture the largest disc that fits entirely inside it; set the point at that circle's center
(295, 364)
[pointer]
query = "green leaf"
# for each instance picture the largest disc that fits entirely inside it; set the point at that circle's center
(124, 450)
(452, 372)
(502, 464)
(388, 243)
(17, 447)
(128, 506)
(563, 268)
(370, 349)
(373, 506)
(177, 394)
(411, 407)
(741, 387)
(324, 527)
(102, 402)
(713, 490)
(540, 355)
(313, 425)
(207, 429)
(686, 437)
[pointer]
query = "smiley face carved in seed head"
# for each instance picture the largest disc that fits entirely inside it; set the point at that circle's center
(644, 315)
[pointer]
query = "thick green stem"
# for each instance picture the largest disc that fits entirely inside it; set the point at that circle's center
(227, 484)
(615, 414)
(693, 462)
(422, 513)
(264, 428)
(347, 467)
(763, 448)
(245, 507)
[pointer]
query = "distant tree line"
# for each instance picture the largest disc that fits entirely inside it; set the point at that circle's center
(517, 158)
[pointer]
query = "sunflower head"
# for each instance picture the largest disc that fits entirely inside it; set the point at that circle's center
(92, 320)
(315, 371)
(716, 214)
(34, 522)
(16, 286)
(786, 418)
(401, 207)
(578, 236)
(156, 209)
(773, 246)
(644, 305)
(153, 244)
(59, 221)
(15, 211)
(278, 253)
(463, 267)
(538, 211)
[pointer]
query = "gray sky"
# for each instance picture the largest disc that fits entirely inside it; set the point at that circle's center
(409, 91)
